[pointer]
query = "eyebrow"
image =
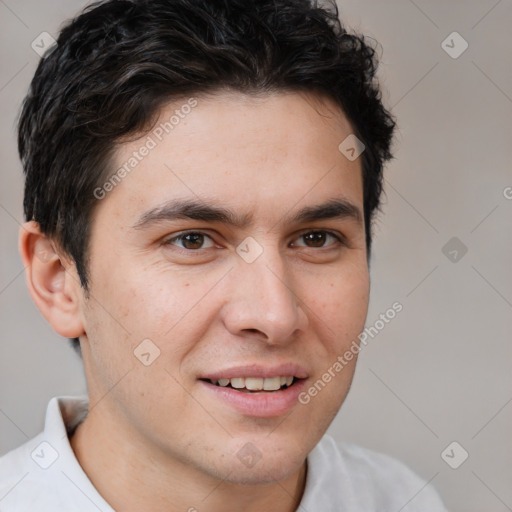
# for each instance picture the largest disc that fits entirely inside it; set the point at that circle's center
(192, 209)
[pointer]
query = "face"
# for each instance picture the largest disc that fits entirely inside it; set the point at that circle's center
(229, 258)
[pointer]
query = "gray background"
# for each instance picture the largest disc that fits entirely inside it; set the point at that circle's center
(441, 370)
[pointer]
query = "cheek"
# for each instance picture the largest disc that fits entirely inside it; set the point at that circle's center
(343, 306)
(153, 303)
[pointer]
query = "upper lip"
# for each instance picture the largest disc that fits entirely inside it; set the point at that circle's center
(256, 370)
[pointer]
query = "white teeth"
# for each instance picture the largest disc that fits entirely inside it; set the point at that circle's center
(238, 382)
(255, 383)
(272, 383)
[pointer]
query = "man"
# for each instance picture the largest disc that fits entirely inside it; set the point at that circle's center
(201, 178)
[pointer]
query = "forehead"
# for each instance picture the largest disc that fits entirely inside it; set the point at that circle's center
(254, 153)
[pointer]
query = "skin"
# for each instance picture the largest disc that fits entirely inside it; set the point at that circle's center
(154, 439)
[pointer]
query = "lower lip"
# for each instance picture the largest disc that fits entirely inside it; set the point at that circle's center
(264, 404)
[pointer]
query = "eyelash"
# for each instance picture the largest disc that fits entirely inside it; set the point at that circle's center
(339, 239)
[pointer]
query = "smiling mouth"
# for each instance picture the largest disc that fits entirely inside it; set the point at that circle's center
(255, 384)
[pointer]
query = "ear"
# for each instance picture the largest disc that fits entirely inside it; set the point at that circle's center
(52, 281)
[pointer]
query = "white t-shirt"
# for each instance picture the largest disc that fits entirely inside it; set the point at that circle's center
(43, 475)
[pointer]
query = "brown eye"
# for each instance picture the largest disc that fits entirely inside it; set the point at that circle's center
(318, 239)
(315, 239)
(191, 241)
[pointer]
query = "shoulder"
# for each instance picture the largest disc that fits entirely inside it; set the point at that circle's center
(43, 474)
(17, 474)
(16, 462)
(372, 481)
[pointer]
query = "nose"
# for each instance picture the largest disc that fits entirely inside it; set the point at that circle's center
(263, 301)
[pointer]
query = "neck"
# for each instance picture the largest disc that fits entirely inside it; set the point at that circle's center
(131, 475)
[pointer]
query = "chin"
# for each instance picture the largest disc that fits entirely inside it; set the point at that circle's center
(261, 461)
(263, 473)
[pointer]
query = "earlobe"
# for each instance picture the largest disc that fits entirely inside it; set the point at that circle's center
(50, 280)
